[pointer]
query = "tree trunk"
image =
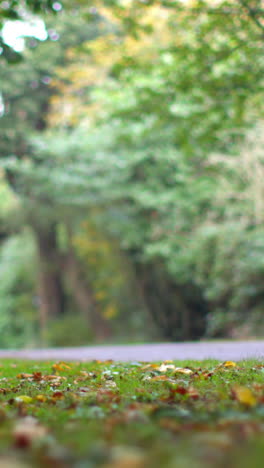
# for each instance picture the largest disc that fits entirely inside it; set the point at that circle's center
(84, 297)
(50, 284)
(179, 311)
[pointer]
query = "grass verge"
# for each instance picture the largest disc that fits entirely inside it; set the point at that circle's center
(133, 415)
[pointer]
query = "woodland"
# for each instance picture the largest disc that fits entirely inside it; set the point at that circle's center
(132, 172)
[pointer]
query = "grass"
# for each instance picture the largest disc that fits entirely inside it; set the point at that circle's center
(134, 415)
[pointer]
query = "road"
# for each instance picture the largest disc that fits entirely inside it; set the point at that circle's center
(221, 350)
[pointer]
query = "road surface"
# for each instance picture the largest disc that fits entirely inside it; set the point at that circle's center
(221, 350)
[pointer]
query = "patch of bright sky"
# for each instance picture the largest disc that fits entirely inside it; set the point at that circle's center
(14, 32)
(2, 107)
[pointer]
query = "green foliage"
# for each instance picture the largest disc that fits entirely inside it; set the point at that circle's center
(153, 203)
(18, 325)
(145, 138)
(71, 330)
(8, 201)
(228, 262)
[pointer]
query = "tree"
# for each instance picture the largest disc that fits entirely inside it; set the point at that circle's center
(27, 104)
(146, 119)
(163, 109)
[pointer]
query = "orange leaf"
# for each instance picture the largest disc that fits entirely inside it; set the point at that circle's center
(158, 377)
(37, 376)
(60, 366)
(24, 376)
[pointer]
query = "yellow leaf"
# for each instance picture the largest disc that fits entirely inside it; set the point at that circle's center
(229, 364)
(24, 398)
(182, 370)
(41, 398)
(164, 367)
(244, 395)
(150, 366)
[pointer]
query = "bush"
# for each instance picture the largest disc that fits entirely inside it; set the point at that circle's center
(71, 330)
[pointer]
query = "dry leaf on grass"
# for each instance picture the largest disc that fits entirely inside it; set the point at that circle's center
(244, 395)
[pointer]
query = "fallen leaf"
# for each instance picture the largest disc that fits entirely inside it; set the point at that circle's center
(158, 378)
(164, 367)
(24, 398)
(229, 364)
(24, 376)
(189, 391)
(41, 398)
(244, 395)
(37, 376)
(150, 366)
(57, 378)
(180, 390)
(60, 366)
(57, 396)
(183, 370)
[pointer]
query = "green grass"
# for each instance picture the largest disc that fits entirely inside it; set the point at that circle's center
(132, 415)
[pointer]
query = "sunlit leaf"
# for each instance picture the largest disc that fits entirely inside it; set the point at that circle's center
(24, 376)
(60, 366)
(158, 378)
(37, 376)
(41, 398)
(229, 364)
(244, 395)
(183, 370)
(24, 399)
(164, 367)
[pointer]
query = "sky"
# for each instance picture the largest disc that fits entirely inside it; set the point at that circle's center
(13, 32)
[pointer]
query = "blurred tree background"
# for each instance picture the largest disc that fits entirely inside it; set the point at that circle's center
(131, 171)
